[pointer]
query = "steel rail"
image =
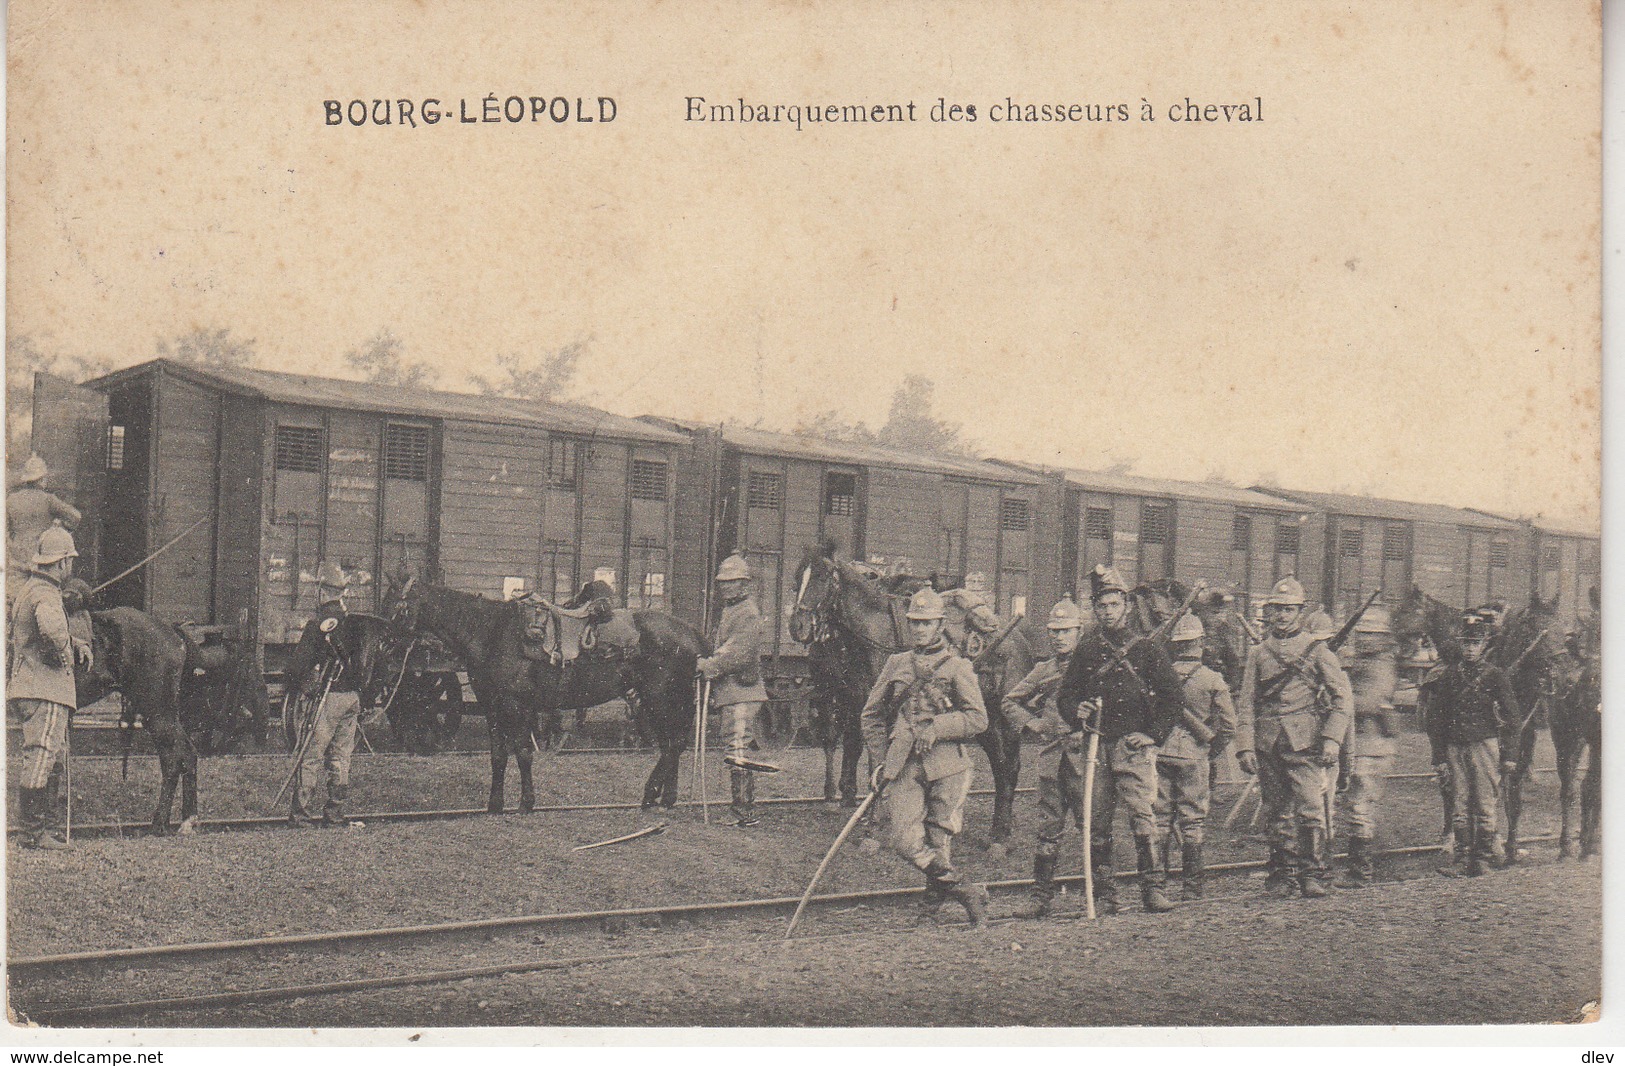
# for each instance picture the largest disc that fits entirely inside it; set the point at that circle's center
(271, 994)
(449, 814)
(528, 921)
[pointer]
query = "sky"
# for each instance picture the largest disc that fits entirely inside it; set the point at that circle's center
(1390, 284)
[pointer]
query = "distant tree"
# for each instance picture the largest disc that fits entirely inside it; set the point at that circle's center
(1269, 479)
(1215, 477)
(829, 425)
(1119, 464)
(531, 377)
(23, 358)
(912, 422)
(382, 361)
(208, 348)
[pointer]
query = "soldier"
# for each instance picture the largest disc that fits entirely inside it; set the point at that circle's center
(1135, 699)
(1473, 725)
(332, 735)
(40, 685)
(1373, 676)
(735, 672)
(921, 709)
(1183, 763)
(1293, 715)
(30, 511)
(1031, 705)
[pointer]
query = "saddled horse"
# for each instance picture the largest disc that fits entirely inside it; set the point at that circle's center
(519, 691)
(852, 619)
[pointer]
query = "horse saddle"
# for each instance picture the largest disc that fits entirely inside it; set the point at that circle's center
(559, 635)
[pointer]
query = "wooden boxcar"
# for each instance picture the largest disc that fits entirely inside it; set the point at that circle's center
(773, 495)
(267, 474)
(1354, 545)
(1564, 564)
(1235, 539)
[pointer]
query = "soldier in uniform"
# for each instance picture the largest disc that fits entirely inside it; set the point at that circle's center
(332, 735)
(1183, 763)
(1473, 725)
(40, 685)
(922, 708)
(1373, 675)
(1031, 706)
(30, 511)
(735, 672)
(1293, 716)
(1134, 700)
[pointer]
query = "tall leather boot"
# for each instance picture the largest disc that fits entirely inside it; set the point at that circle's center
(30, 816)
(37, 812)
(744, 811)
(1105, 877)
(1153, 877)
(972, 897)
(1282, 881)
(1312, 871)
(333, 810)
(1360, 870)
(1043, 890)
(1455, 857)
(1194, 875)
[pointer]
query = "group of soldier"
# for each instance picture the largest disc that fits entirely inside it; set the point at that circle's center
(1153, 720)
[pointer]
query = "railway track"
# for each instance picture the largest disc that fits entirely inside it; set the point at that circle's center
(40, 968)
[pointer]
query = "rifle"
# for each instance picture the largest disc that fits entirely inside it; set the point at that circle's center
(1158, 634)
(1252, 633)
(1274, 685)
(987, 652)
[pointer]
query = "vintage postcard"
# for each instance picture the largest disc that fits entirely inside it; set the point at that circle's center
(616, 516)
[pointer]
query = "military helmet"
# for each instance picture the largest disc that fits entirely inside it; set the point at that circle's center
(33, 470)
(1065, 615)
(926, 606)
(1286, 593)
(330, 575)
(55, 544)
(1475, 627)
(1375, 620)
(734, 568)
(1189, 627)
(1104, 579)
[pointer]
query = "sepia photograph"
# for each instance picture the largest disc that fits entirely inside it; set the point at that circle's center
(1037, 519)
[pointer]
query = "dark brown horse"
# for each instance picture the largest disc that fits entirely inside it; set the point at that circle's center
(521, 695)
(852, 620)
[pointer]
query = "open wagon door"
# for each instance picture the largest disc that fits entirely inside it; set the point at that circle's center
(70, 434)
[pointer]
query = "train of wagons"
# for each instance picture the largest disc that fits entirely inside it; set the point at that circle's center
(248, 478)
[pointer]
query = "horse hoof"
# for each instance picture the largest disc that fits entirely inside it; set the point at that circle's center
(188, 826)
(869, 846)
(1565, 850)
(997, 851)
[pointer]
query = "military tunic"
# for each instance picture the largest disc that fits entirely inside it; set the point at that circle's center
(1031, 706)
(935, 690)
(1183, 769)
(1373, 676)
(333, 734)
(736, 675)
(1473, 722)
(1310, 702)
(40, 685)
(30, 510)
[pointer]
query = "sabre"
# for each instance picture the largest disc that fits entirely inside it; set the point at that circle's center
(846, 831)
(1241, 800)
(309, 730)
(1089, 816)
(647, 831)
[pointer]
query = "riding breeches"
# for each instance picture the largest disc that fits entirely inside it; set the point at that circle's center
(1294, 787)
(1367, 776)
(1058, 797)
(1182, 797)
(1474, 767)
(332, 741)
(45, 738)
(924, 815)
(1130, 778)
(739, 729)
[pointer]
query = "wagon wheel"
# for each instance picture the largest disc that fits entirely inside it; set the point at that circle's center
(296, 709)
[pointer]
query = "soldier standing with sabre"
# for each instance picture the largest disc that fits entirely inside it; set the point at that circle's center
(324, 669)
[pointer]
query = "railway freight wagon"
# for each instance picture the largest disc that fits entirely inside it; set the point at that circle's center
(773, 495)
(1564, 566)
(1235, 539)
(263, 475)
(1354, 545)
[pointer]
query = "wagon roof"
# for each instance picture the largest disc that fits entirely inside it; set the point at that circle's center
(1400, 510)
(1556, 529)
(796, 446)
(1205, 491)
(314, 391)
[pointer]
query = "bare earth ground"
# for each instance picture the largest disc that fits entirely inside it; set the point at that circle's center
(1379, 956)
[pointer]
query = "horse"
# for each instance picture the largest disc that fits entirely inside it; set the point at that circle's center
(223, 689)
(491, 638)
(852, 619)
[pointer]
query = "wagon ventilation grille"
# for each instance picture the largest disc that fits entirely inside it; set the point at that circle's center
(840, 495)
(299, 449)
(1351, 543)
(648, 480)
(1500, 554)
(1286, 539)
(1154, 523)
(1241, 533)
(1014, 516)
(1396, 543)
(406, 453)
(766, 491)
(1097, 523)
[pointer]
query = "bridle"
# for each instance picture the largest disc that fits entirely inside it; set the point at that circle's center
(822, 625)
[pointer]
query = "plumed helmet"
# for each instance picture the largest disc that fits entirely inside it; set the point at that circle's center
(1189, 627)
(734, 568)
(55, 544)
(925, 606)
(331, 575)
(1104, 579)
(1475, 627)
(1065, 615)
(33, 470)
(1375, 620)
(1288, 592)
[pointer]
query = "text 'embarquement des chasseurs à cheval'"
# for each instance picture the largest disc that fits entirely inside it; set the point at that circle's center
(1009, 110)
